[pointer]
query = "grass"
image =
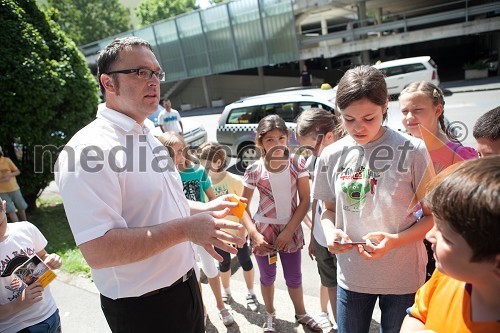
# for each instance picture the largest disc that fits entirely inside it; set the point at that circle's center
(51, 219)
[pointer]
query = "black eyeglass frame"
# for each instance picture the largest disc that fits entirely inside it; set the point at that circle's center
(159, 74)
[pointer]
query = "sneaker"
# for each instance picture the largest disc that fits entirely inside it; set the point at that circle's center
(226, 298)
(325, 322)
(252, 302)
(226, 317)
(269, 325)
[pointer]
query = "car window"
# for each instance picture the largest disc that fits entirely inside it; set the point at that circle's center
(245, 115)
(391, 71)
(414, 68)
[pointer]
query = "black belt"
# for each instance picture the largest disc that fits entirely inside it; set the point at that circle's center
(182, 279)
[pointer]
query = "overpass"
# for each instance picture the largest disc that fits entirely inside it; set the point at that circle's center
(240, 48)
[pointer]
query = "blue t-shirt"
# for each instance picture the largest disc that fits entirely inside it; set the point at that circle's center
(195, 181)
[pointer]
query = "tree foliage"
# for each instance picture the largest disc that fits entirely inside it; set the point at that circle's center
(47, 91)
(150, 11)
(86, 21)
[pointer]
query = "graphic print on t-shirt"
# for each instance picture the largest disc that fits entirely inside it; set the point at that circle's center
(192, 190)
(220, 190)
(357, 184)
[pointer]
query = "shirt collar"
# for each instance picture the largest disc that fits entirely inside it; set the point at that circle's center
(123, 121)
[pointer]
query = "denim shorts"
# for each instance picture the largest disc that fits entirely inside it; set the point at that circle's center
(49, 325)
(14, 201)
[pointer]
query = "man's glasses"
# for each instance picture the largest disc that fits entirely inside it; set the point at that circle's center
(143, 73)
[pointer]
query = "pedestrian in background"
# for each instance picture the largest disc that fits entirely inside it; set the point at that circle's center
(305, 77)
(10, 190)
(169, 119)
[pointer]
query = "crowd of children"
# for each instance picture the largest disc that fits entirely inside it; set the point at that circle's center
(374, 196)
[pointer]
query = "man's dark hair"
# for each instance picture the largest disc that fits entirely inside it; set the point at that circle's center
(488, 125)
(110, 54)
(468, 200)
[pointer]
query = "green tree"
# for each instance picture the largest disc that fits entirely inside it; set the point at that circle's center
(150, 11)
(86, 21)
(47, 92)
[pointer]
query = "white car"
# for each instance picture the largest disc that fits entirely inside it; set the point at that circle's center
(399, 73)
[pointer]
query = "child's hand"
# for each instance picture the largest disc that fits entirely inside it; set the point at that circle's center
(53, 260)
(335, 242)
(310, 248)
(283, 239)
(31, 295)
(259, 242)
(386, 242)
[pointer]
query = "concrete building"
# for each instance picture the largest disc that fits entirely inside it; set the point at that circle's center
(241, 48)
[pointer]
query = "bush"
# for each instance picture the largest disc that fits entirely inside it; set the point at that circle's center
(476, 65)
(47, 94)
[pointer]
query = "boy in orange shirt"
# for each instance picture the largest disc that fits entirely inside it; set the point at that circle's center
(462, 294)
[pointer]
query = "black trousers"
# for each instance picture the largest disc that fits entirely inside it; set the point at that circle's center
(178, 309)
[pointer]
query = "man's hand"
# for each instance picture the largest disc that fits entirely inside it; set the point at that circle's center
(225, 201)
(205, 230)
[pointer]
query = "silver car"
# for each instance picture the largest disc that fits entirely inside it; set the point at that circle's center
(238, 121)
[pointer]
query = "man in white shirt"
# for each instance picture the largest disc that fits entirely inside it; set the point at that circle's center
(126, 207)
(169, 119)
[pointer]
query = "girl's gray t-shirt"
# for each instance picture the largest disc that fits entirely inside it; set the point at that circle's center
(374, 188)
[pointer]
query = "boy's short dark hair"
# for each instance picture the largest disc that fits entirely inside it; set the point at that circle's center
(213, 152)
(488, 125)
(469, 201)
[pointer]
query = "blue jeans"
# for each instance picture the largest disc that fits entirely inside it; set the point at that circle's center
(49, 325)
(355, 310)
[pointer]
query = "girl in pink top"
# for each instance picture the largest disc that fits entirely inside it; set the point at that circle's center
(422, 105)
(280, 178)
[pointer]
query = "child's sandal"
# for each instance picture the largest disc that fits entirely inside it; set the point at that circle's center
(308, 321)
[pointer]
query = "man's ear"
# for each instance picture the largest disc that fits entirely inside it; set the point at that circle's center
(107, 82)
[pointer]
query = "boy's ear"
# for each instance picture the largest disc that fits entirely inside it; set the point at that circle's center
(496, 267)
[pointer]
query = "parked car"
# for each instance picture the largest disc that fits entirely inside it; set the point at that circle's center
(401, 72)
(194, 132)
(238, 121)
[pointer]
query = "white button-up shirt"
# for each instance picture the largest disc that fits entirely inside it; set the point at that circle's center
(114, 174)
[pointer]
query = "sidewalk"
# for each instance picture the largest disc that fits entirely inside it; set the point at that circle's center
(80, 311)
(78, 301)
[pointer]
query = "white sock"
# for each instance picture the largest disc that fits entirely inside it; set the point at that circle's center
(227, 291)
(251, 292)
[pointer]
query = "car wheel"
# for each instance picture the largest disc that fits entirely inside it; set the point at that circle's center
(247, 155)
